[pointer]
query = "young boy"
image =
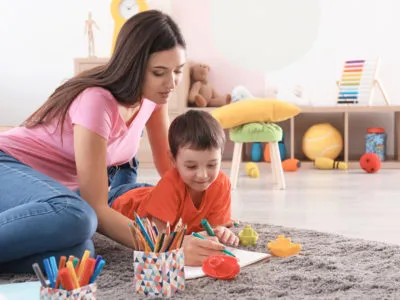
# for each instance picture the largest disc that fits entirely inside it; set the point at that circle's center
(194, 189)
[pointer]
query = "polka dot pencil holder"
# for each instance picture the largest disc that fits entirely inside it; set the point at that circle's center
(87, 292)
(159, 273)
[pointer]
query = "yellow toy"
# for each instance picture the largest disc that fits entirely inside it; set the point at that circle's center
(252, 170)
(122, 10)
(322, 140)
(325, 163)
(248, 237)
(283, 247)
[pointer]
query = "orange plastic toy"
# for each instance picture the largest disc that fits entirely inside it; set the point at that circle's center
(221, 267)
(291, 164)
(283, 247)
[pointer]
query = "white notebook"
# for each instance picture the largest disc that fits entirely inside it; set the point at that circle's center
(245, 258)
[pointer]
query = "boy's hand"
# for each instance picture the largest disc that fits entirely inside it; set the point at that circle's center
(226, 236)
(197, 250)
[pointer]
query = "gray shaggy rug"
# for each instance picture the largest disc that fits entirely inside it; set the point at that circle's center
(328, 267)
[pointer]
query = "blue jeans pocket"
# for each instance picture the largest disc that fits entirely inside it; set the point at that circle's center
(123, 174)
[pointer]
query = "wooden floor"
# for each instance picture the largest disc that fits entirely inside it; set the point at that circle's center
(351, 203)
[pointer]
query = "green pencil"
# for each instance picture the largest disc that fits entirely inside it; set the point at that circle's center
(203, 238)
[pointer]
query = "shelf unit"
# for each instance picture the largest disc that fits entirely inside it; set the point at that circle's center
(295, 128)
(347, 113)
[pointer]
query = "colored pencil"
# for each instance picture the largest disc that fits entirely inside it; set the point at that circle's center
(147, 237)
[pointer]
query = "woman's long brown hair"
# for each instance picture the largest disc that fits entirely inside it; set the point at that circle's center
(141, 35)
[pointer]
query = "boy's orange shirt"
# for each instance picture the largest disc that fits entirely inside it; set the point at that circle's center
(170, 199)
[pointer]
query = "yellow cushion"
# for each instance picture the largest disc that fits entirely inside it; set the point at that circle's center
(254, 110)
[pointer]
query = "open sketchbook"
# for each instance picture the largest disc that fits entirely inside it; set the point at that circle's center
(245, 258)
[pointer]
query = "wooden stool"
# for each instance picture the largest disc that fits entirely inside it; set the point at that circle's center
(240, 136)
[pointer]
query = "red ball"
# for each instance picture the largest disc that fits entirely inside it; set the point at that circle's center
(370, 162)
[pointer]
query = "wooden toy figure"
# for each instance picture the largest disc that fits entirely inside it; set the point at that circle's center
(89, 23)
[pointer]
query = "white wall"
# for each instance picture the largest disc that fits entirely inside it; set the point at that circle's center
(39, 40)
(347, 29)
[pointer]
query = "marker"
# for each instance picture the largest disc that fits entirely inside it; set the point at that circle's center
(39, 274)
(54, 270)
(53, 265)
(85, 256)
(49, 273)
(98, 259)
(61, 264)
(66, 279)
(203, 238)
(72, 273)
(97, 271)
(207, 227)
(87, 271)
(75, 263)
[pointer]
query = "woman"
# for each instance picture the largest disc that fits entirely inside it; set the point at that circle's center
(90, 123)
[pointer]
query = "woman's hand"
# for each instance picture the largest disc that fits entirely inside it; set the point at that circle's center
(226, 236)
(90, 155)
(197, 250)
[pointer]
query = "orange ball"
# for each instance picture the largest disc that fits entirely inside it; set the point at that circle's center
(370, 162)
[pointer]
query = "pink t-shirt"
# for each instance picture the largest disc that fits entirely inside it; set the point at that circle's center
(95, 109)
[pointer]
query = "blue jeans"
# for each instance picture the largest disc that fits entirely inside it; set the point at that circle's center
(39, 217)
(122, 179)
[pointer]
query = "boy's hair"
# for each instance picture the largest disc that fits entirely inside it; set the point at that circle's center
(197, 130)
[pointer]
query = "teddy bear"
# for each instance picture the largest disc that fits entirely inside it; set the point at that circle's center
(201, 92)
